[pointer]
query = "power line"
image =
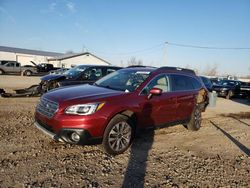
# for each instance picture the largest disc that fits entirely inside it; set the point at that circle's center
(133, 52)
(207, 47)
(150, 49)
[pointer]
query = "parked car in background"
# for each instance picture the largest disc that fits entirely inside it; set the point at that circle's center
(46, 67)
(118, 104)
(16, 68)
(207, 82)
(244, 90)
(82, 74)
(227, 88)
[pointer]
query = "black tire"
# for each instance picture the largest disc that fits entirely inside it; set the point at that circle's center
(1, 72)
(115, 143)
(229, 94)
(28, 73)
(195, 121)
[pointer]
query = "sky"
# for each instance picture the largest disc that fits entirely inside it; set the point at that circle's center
(117, 30)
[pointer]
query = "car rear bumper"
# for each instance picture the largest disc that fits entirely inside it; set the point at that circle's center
(222, 93)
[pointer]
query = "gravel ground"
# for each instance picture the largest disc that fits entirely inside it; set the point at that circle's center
(215, 156)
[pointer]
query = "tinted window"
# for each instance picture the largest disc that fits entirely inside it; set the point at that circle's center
(10, 64)
(205, 80)
(181, 83)
(110, 70)
(197, 84)
(93, 74)
(161, 82)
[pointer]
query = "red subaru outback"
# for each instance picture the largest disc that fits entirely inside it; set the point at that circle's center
(118, 104)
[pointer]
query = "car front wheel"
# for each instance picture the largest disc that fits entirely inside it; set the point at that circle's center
(118, 135)
(28, 73)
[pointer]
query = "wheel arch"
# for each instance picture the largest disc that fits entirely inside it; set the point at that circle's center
(2, 71)
(126, 112)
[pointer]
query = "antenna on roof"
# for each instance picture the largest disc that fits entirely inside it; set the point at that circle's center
(165, 48)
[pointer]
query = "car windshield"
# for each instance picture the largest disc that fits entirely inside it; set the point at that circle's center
(74, 72)
(123, 80)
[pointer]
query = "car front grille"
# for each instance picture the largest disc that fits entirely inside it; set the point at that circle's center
(47, 107)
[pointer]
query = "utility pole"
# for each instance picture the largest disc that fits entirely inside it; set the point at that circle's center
(165, 60)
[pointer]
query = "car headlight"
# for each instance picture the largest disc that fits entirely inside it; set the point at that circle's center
(84, 109)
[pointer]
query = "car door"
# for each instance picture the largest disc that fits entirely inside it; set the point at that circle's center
(9, 67)
(185, 94)
(160, 109)
(16, 67)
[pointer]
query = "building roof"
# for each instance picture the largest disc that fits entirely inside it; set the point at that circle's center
(71, 55)
(27, 51)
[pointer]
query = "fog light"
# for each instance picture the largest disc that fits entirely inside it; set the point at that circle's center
(75, 137)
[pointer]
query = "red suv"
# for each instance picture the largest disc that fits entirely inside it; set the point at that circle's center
(121, 102)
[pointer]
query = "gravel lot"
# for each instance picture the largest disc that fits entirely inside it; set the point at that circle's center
(217, 155)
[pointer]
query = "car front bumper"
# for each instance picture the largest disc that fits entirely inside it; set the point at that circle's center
(64, 135)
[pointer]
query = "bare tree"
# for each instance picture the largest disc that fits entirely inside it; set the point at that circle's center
(211, 70)
(132, 61)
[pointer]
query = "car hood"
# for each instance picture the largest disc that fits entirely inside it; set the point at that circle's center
(80, 92)
(53, 77)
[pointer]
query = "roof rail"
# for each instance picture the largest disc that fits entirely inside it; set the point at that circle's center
(142, 66)
(177, 69)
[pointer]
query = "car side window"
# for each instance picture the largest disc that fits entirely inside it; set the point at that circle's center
(160, 82)
(181, 82)
(197, 84)
(92, 74)
(110, 70)
(10, 65)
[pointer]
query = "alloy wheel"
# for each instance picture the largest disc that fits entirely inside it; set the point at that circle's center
(120, 136)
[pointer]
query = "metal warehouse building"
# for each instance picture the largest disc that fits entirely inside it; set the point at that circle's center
(25, 56)
(71, 60)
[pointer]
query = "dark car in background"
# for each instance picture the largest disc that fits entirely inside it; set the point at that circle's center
(227, 88)
(244, 90)
(82, 74)
(207, 82)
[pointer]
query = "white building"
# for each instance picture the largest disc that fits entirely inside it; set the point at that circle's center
(71, 60)
(25, 56)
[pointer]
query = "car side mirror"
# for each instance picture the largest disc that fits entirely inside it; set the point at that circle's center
(154, 92)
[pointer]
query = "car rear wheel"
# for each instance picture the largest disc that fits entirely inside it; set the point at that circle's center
(195, 121)
(118, 135)
(1, 72)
